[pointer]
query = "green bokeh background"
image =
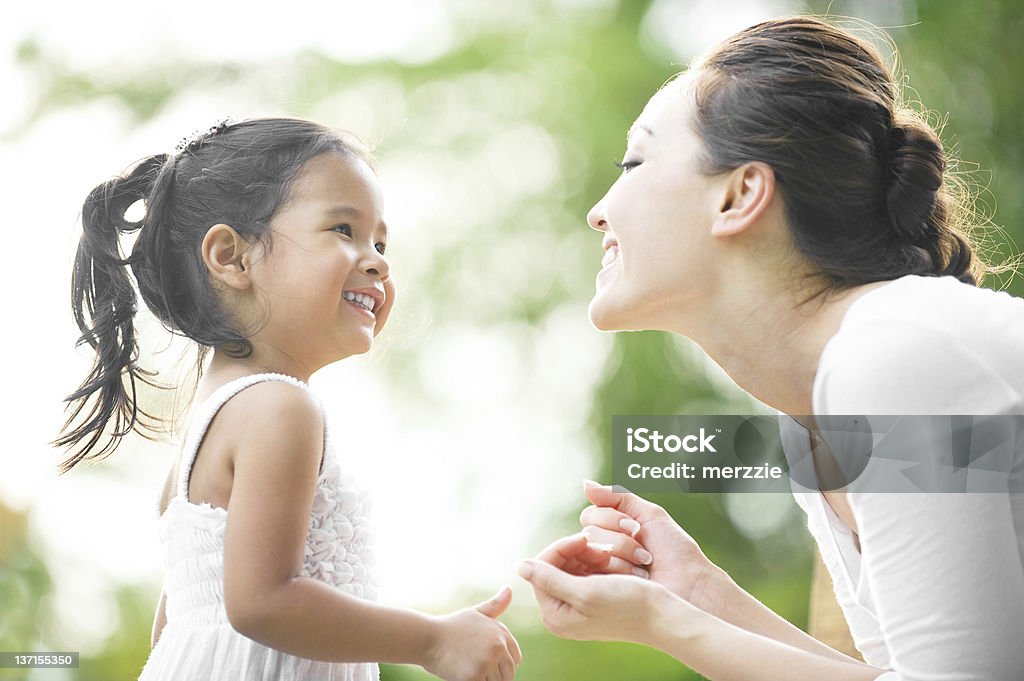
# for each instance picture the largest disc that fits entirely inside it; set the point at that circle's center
(581, 72)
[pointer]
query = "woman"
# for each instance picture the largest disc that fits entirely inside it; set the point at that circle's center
(780, 208)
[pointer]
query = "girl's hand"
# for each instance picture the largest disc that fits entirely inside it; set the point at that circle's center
(595, 607)
(643, 535)
(471, 645)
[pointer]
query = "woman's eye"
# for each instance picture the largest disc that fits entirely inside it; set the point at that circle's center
(381, 247)
(626, 166)
(343, 229)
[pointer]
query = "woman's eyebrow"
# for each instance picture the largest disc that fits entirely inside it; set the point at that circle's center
(637, 126)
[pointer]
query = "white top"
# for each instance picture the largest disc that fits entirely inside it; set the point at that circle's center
(198, 641)
(937, 589)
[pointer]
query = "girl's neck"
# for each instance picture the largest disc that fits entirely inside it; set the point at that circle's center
(223, 367)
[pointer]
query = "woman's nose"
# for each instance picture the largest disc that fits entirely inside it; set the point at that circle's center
(595, 218)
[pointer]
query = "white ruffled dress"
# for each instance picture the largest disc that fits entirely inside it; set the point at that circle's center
(198, 641)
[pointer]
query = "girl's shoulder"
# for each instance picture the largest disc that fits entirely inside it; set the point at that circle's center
(257, 407)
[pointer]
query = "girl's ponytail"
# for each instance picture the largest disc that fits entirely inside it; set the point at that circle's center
(103, 302)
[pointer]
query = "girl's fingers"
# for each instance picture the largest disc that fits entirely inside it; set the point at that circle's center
(623, 546)
(506, 669)
(609, 519)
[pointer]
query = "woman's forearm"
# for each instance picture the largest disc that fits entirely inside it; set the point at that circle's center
(726, 600)
(307, 618)
(709, 645)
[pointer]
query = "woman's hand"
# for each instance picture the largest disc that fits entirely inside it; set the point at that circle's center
(472, 645)
(643, 535)
(594, 607)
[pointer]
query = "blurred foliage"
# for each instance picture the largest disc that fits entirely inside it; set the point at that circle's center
(581, 73)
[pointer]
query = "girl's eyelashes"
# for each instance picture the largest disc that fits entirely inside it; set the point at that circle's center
(625, 166)
(346, 229)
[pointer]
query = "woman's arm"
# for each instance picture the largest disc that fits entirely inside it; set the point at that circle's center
(680, 566)
(160, 620)
(710, 647)
(626, 608)
(278, 431)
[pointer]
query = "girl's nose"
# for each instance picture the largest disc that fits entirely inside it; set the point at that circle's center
(595, 218)
(377, 265)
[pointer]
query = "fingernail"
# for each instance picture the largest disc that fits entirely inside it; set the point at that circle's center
(630, 525)
(643, 557)
(590, 483)
(601, 547)
(524, 570)
(640, 572)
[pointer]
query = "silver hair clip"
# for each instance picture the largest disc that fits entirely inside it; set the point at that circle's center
(198, 137)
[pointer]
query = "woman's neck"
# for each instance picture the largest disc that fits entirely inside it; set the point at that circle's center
(771, 341)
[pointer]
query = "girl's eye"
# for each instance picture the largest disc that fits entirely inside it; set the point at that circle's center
(381, 247)
(626, 166)
(343, 229)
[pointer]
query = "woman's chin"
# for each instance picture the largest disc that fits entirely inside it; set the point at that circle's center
(606, 316)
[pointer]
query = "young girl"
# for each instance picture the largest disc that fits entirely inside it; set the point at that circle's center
(263, 241)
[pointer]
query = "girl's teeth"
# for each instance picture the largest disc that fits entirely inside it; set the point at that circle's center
(361, 299)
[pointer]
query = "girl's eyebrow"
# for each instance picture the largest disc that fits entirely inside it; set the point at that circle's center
(352, 211)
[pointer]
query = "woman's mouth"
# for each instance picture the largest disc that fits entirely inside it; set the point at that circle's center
(610, 255)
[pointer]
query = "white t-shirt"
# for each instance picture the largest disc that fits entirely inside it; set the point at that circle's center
(937, 589)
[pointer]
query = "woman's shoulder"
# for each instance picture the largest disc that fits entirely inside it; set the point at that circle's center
(925, 345)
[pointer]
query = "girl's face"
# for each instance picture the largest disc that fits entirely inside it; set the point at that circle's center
(324, 286)
(656, 220)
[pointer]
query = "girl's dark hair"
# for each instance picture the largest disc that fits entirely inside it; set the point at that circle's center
(866, 183)
(238, 174)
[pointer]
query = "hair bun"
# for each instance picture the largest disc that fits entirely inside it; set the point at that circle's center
(916, 166)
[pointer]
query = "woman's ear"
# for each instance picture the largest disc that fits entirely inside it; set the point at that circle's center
(748, 192)
(225, 254)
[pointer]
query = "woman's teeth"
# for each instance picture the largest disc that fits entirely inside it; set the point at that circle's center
(610, 256)
(361, 299)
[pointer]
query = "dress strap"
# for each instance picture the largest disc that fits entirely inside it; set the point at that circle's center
(209, 408)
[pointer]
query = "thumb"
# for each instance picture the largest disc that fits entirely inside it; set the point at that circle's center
(549, 579)
(496, 605)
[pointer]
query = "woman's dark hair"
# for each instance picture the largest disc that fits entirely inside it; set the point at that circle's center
(865, 180)
(238, 174)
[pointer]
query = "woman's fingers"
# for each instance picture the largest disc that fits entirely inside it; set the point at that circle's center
(609, 519)
(576, 555)
(549, 579)
(626, 502)
(623, 546)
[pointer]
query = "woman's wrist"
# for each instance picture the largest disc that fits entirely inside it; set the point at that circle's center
(672, 623)
(711, 590)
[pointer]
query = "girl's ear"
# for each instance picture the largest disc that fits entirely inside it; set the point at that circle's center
(748, 192)
(224, 252)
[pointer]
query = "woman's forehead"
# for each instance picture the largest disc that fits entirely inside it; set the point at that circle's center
(668, 108)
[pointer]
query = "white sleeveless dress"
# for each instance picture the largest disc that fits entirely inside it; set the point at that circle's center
(198, 641)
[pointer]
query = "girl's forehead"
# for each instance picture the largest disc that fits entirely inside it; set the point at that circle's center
(333, 176)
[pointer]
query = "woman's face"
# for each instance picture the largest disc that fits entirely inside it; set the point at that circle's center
(656, 220)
